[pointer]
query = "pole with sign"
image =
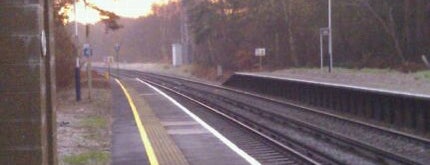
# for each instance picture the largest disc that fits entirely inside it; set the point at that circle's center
(88, 52)
(260, 52)
(117, 48)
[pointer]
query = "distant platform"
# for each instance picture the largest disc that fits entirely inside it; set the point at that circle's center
(335, 84)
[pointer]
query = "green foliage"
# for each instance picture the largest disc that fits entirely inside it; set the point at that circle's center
(88, 158)
(375, 71)
(423, 75)
(94, 122)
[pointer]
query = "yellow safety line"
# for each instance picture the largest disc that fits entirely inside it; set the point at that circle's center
(144, 136)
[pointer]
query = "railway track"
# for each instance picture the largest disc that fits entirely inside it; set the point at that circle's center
(325, 142)
(262, 147)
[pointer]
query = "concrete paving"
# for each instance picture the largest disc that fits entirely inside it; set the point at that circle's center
(175, 136)
(127, 147)
(197, 144)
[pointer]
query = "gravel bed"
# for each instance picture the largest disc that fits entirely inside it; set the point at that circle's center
(331, 150)
(246, 140)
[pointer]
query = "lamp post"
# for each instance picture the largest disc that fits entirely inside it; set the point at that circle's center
(77, 66)
(117, 47)
(330, 38)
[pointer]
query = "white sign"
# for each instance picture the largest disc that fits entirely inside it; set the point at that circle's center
(260, 52)
(43, 43)
(87, 50)
(324, 31)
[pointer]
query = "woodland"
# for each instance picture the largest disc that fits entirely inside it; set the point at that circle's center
(392, 34)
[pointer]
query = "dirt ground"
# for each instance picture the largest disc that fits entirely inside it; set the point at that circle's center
(84, 128)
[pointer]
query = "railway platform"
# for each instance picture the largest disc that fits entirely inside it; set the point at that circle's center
(150, 127)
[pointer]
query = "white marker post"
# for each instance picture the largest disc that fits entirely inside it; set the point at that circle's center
(323, 32)
(260, 52)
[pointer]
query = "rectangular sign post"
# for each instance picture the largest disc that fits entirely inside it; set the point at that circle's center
(260, 52)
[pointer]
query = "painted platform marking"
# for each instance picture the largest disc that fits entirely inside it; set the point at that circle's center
(223, 139)
(147, 94)
(143, 135)
(184, 128)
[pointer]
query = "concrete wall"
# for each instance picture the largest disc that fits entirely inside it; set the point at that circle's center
(27, 117)
(395, 109)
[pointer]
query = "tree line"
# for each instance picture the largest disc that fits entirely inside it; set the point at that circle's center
(367, 33)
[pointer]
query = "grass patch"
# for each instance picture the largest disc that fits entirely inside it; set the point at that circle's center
(94, 122)
(88, 158)
(165, 67)
(349, 70)
(423, 75)
(375, 71)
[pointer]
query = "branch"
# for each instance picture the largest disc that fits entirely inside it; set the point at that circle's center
(110, 19)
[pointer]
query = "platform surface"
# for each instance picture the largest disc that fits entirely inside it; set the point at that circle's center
(176, 137)
(127, 147)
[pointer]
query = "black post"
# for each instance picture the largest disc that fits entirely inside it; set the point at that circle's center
(78, 80)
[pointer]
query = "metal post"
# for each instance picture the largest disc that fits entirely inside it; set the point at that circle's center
(322, 51)
(90, 78)
(330, 40)
(261, 63)
(117, 47)
(117, 63)
(77, 68)
(425, 60)
(108, 67)
(78, 80)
